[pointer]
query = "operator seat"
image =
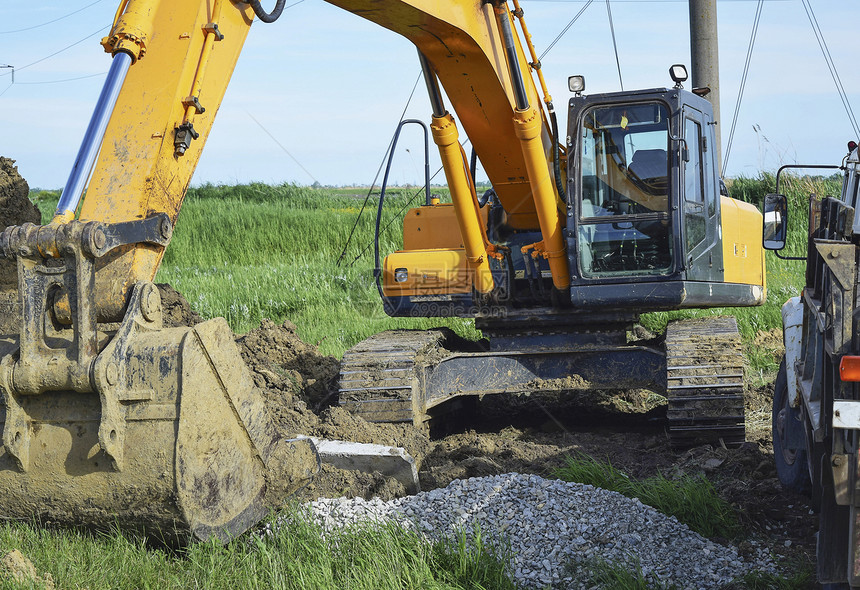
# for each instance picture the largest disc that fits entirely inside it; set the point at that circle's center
(651, 168)
(649, 164)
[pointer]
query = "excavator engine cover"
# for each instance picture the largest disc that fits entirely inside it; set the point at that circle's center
(149, 428)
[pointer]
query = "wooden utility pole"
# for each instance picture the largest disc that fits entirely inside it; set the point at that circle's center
(705, 54)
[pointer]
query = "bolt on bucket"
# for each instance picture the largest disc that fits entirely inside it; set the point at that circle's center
(162, 431)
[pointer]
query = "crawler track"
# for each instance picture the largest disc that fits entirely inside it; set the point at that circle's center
(705, 384)
(380, 377)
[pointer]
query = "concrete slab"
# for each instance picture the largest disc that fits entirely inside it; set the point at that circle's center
(390, 461)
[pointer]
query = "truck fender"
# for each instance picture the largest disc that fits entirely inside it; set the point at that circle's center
(792, 330)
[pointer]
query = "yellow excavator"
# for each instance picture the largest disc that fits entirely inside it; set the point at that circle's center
(109, 417)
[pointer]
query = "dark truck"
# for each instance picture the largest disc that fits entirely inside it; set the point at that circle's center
(816, 402)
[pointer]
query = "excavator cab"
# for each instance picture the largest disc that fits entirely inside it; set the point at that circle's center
(623, 201)
(646, 226)
(643, 190)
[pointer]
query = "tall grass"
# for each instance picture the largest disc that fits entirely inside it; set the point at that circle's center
(295, 556)
(690, 499)
(252, 251)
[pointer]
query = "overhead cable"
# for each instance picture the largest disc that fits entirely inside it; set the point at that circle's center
(822, 44)
(50, 21)
(375, 178)
(614, 44)
(280, 145)
(67, 47)
(570, 24)
(63, 80)
(743, 84)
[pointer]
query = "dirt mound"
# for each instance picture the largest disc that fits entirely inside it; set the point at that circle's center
(15, 209)
(15, 206)
(299, 387)
(282, 362)
(17, 568)
(175, 308)
(332, 482)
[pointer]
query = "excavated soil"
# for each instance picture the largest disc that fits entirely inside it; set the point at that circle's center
(528, 434)
(16, 568)
(15, 209)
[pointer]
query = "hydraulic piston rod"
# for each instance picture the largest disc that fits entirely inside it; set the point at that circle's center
(93, 138)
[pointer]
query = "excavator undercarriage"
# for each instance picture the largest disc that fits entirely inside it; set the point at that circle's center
(412, 376)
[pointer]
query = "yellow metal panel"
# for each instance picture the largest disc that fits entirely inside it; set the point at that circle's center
(137, 173)
(434, 227)
(461, 41)
(430, 272)
(743, 256)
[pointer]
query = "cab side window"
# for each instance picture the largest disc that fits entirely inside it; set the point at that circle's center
(694, 195)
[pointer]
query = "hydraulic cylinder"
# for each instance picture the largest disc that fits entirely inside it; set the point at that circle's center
(446, 137)
(528, 127)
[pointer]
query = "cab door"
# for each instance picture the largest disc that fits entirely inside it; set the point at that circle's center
(702, 255)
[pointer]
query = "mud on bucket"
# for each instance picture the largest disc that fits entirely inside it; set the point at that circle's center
(177, 443)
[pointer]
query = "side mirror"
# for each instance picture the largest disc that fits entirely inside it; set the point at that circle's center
(775, 222)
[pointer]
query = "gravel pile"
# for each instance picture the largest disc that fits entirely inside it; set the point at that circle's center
(550, 524)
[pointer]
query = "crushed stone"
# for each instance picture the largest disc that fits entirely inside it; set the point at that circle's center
(553, 531)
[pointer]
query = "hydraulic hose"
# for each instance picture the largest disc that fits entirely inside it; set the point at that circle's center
(267, 17)
(377, 268)
(473, 164)
(556, 168)
(488, 196)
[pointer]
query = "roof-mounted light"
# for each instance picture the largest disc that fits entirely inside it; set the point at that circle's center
(576, 84)
(678, 72)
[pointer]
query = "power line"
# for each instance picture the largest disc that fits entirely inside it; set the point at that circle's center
(59, 51)
(375, 178)
(63, 80)
(52, 21)
(614, 44)
(743, 83)
(570, 24)
(822, 44)
(280, 145)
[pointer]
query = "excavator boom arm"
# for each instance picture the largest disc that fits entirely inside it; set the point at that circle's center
(184, 55)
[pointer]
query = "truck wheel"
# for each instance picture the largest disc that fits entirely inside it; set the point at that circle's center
(791, 467)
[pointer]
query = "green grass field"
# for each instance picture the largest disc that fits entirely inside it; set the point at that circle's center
(253, 252)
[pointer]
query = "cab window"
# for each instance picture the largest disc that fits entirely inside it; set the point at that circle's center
(623, 224)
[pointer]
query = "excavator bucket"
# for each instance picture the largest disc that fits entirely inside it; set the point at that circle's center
(143, 427)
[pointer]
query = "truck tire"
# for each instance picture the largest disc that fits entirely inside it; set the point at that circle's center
(791, 465)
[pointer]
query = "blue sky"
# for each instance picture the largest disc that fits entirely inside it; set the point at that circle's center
(331, 86)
